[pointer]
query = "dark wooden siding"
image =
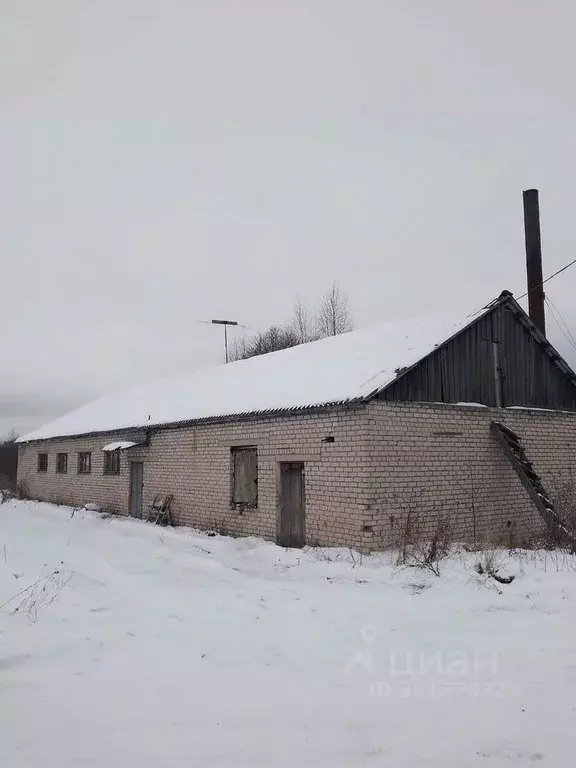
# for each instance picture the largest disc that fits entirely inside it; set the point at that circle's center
(462, 370)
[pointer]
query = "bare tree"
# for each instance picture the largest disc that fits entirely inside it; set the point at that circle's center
(238, 349)
(10, 438)
(303, 322)
(274, 338)
(333, 316)
(13, 435)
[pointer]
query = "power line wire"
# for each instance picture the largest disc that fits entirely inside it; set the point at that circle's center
(517, 298)
(548, 278)
(568, 336)
(564, 321)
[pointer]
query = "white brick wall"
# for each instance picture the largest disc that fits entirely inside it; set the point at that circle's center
(194, 464)
(441, 461)
(387, 459)
(111, 491)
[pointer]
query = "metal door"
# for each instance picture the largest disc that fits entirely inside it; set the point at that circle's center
(291, 524)
(136, 488)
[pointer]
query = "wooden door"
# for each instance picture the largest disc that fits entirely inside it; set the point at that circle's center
(136, 488)
(291, 523)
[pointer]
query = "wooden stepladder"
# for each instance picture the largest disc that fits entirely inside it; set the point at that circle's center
(512, 447)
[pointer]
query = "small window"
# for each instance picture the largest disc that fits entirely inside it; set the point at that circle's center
(42, 462)
(244, 477)
(84, 463)
(61, 463)
(112, 462)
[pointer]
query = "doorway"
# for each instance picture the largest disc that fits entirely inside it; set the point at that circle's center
(292, 522)
(136, 488)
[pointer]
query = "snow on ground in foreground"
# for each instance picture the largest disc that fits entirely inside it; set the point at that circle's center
(169, 648)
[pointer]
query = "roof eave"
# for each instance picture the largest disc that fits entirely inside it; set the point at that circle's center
(247, 416)
(550, 350)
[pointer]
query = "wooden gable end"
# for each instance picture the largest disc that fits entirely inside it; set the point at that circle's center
(530, 371)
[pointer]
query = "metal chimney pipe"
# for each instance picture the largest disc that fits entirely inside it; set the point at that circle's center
(534, 259)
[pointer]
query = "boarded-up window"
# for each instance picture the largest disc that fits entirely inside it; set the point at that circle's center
(84, 463)
(61, 463)
(42, 462)
(245, 477)
(112, 462)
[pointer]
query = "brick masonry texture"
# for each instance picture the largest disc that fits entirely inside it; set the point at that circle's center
(440, 463)
(194, 464)
(391, 465)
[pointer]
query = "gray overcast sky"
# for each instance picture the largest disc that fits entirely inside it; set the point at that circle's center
(170, 161)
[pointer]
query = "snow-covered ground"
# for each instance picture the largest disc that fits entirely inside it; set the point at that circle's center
(153, 647)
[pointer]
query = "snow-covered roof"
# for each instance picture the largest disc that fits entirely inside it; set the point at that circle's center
(336, 370)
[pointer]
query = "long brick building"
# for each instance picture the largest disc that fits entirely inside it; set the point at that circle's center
(347, 441)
